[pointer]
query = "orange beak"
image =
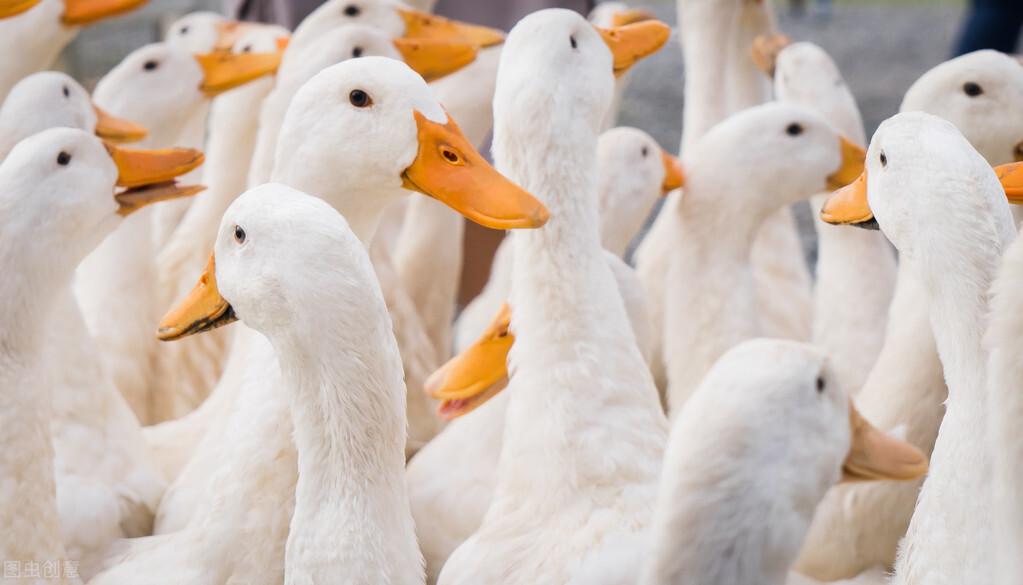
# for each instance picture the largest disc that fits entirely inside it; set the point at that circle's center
(632, 42)
(765, 51)
(434, 59)
(853, 159)
(449, 169)
(1011, 177)
(224, 71)
(477, 374)
(113, 129)
(631, 16)
(149, 175)
(9, 8)
(420, 25)
(849, 205)
(674, 176)
(82, 12)
(874, 455)
(202, 310)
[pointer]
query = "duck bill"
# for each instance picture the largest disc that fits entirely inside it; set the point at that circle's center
(853, 159)
(223, 71)
(228, 33)
(420, 25)
(874, 455)
(148, 175)
(633, 42)
(9, 8)
(1011, 177)
(849, 206)
(449, 169)
(476, 375)
(631, 16)
(114, 129)
(82, 12)
(674, 176)
(765, 51)
(434, 59)
(204, 309)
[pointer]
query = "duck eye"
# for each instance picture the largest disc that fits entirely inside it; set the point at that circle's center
(239, 234)
(450, 155)
(247, 49)
(183, 30)
(972, 89)
(63, 158)
(820, 384)
(352, 10)
(884, 160)
(645, 151)
(67, 92)
(359, 98)
(356, 52)
(794, 129)
(150, 65)
(571, 40)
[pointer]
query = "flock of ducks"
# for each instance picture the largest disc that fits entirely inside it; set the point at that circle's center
(713, 416)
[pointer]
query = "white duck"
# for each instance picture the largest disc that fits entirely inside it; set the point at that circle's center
(59, 203)
(943, 208)
(859, 526)
(36, 31)
(277, 249)
(161, 88)
(561, 492)
(782, 154)
(765, 435)
(238, 530)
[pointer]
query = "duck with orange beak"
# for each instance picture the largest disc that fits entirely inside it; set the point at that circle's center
(36, 31)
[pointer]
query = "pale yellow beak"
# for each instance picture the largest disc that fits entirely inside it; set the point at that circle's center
(874, 455)
(476, 375)
(1011, 177)
(853, 159)
(148, 175)
(202, 310)
(82, 12)
(9, 8)
(434, 59)
(631, 16)
(420, 25)
(849, 205)
(113, 129)
(449, 169)
(224, 71)
(631, 43)
(765, 51)
(674, 176)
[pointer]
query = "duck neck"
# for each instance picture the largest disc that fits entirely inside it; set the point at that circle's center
(348, 407)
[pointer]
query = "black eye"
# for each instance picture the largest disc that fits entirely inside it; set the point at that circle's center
(820, 384)
(575, 45)
(150, 65)
(884, 160)
(239, 234)
(183, 30)
(794, 129)
(359, 98)
(67, 92)
(356, 52)
(247, 49)
(972, 89)
(63, 158)
(645, 151)
(352, 10)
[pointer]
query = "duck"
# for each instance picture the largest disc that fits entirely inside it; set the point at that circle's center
(50, 99)
(610, 15)
(784, 154)
(858, 527)
(38, 30)
(345, 385)
(252, 488)
(59, 193)
(942, 206)
(557, 497)
(175, 85)
(765, 435)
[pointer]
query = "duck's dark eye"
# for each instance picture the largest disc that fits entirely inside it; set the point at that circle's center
(820, 384)
(972, 89)
(645, 151)
(150, 65)
(884, 160)
(794, 129)
(352, 10)
(356, 52)
(67, 92)
(575, 45)
(183, 30)
(247, 49)
(239, 234)
(359, 98)
(63, 158)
